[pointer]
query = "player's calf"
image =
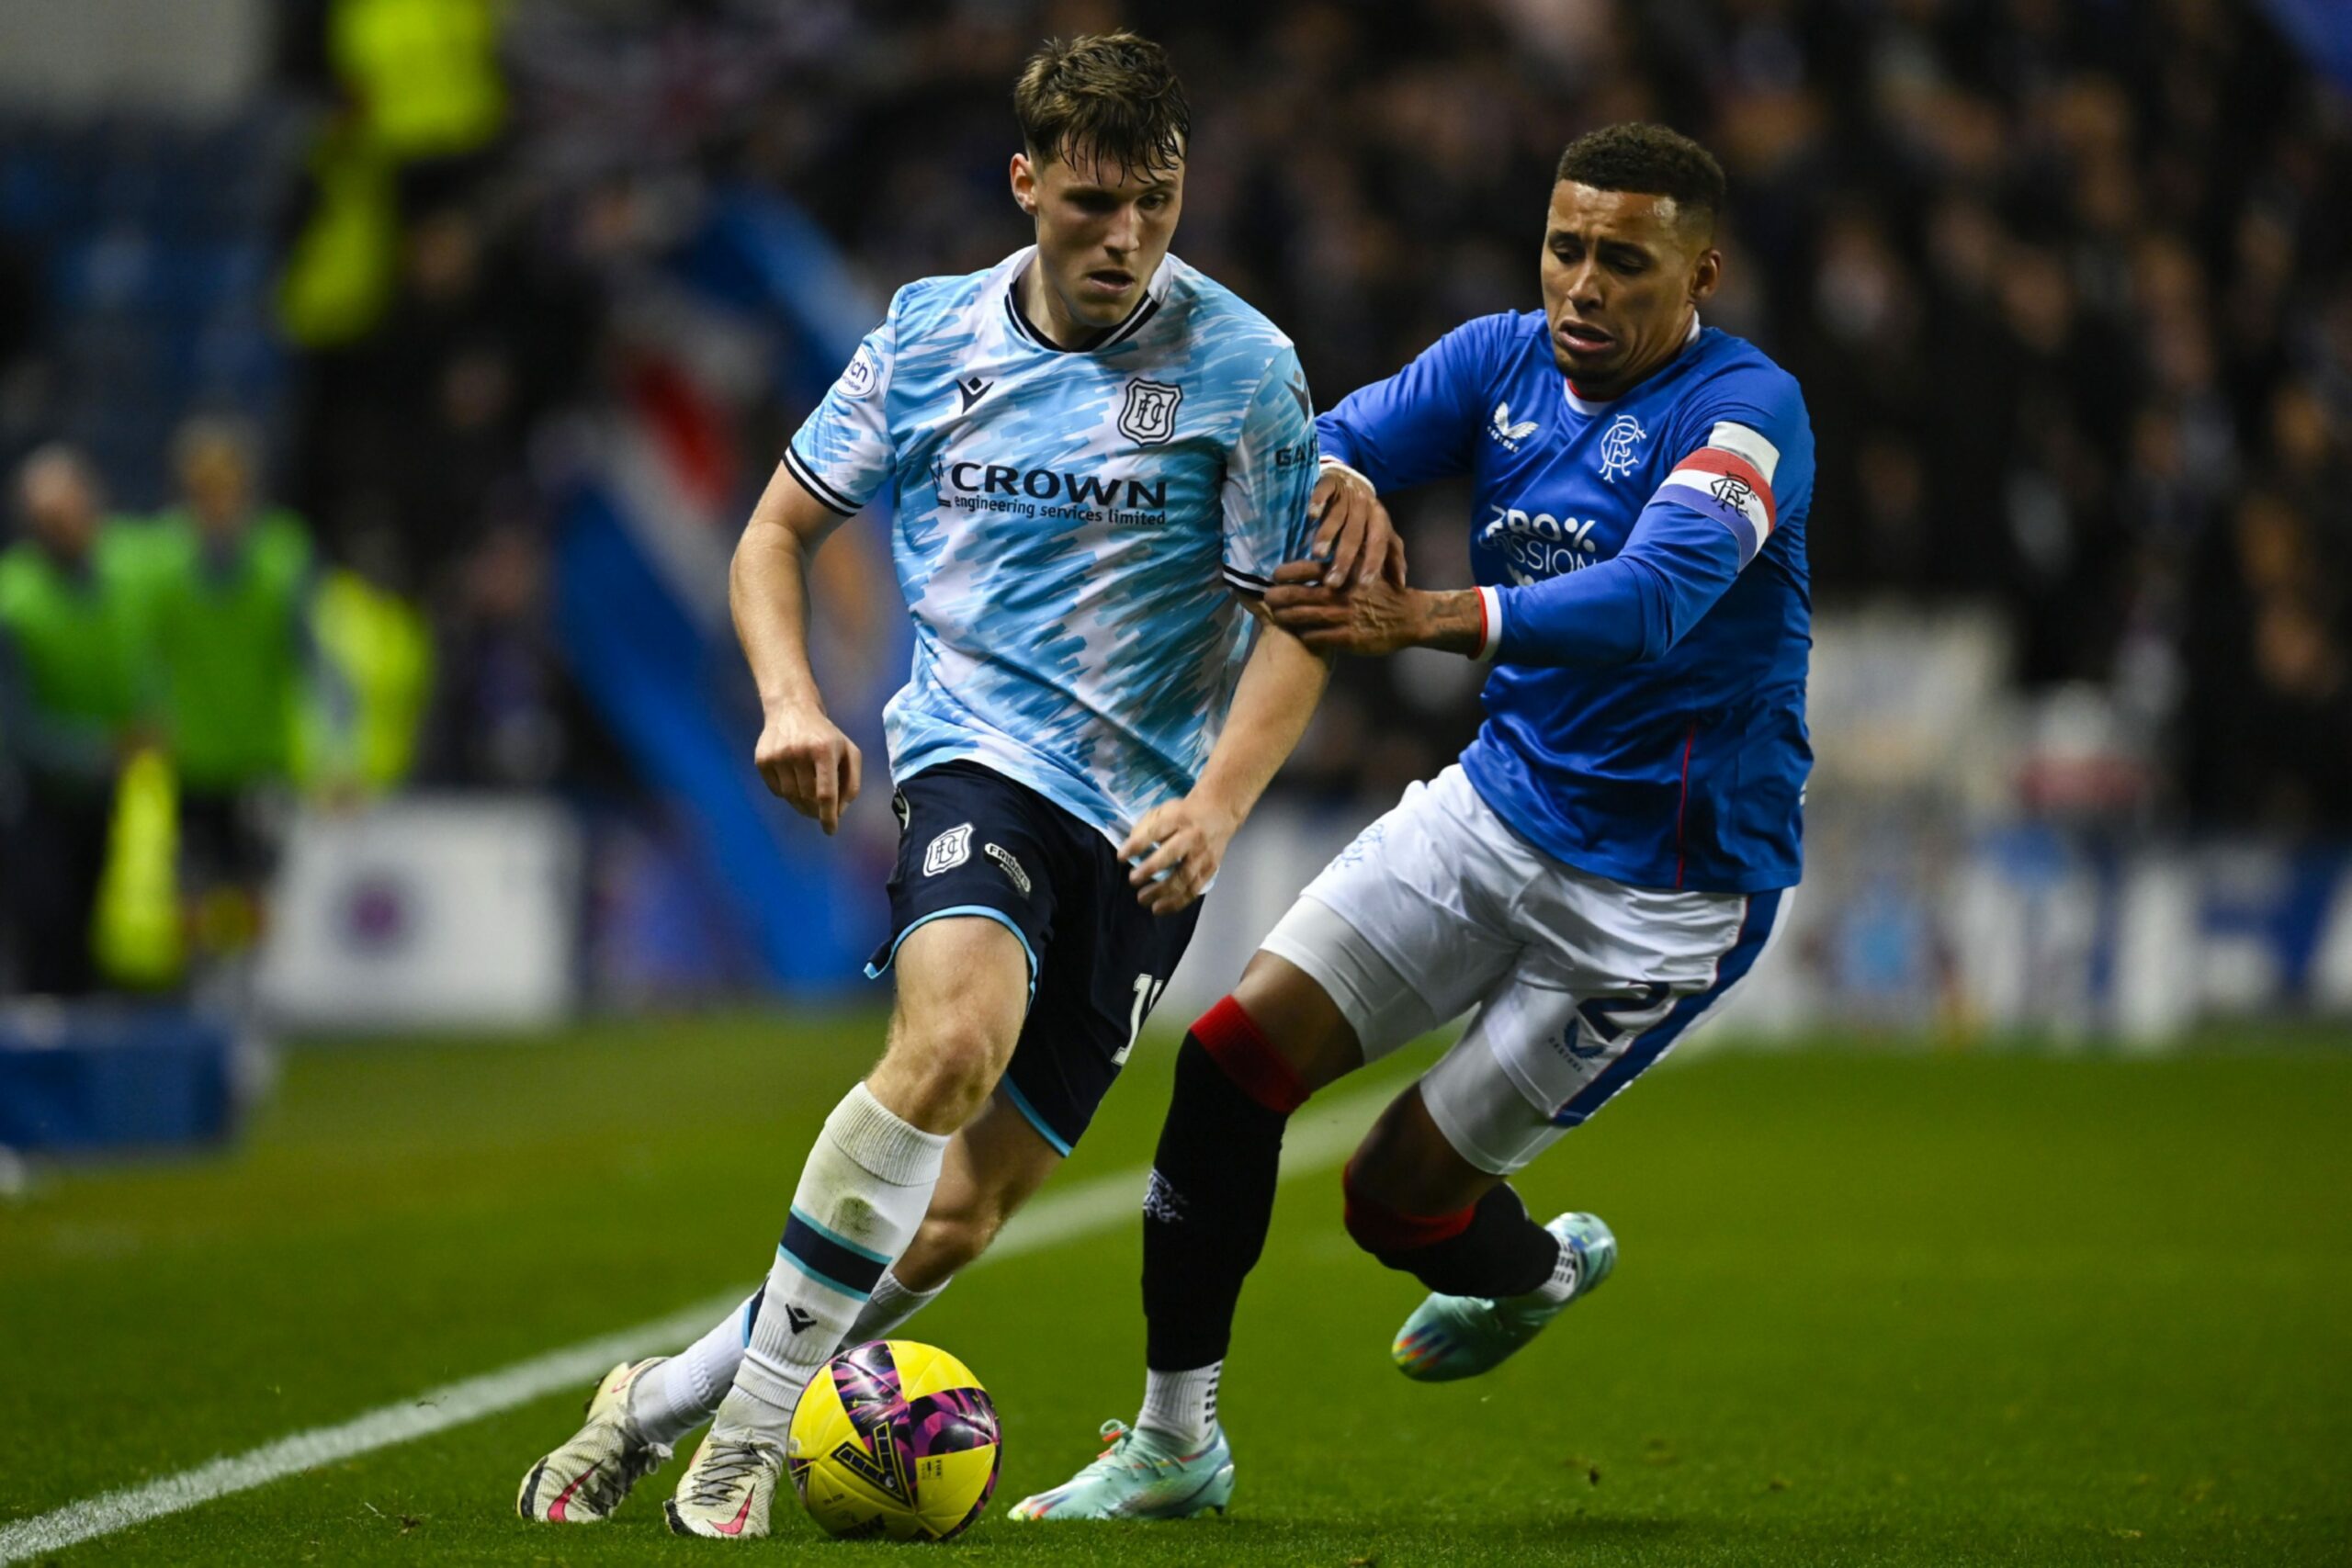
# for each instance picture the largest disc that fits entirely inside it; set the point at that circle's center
(992, 1167)
(1212, 1189)
(1487, 1249)
(1417, 1202)
(1207, 1211)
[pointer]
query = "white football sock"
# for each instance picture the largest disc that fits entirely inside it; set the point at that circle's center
(890, 1306)
(670, 1399)
(862, 1194)
(1180, 1407)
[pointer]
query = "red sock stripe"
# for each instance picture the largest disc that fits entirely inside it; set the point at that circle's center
(1241, 1051)
(1377, 1227)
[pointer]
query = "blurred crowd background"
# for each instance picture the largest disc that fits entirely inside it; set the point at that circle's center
(413, 362)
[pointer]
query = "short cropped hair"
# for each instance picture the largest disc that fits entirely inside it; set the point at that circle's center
(1113, 98)
(1648, 159)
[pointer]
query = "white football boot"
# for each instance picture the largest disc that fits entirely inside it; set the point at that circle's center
(585, 1480)
(728, 1489)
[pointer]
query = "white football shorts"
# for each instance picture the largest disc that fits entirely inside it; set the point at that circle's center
(1581, 982)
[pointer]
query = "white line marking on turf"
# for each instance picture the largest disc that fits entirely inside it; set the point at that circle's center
(1318, 1136)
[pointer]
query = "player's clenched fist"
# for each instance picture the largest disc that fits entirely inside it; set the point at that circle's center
(806, 760)
(1355, 538)
(1175, 849)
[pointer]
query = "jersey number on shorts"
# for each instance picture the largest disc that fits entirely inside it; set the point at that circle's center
(1148, 991)
(1609, 1019)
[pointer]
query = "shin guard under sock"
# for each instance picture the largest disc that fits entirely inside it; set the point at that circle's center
(1211, 1190)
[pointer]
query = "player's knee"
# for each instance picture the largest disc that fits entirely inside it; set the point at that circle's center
(1292, 1009)
(950, 1070)
(1234, 1043)
(1389, 1232)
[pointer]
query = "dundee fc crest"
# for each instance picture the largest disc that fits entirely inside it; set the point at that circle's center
(1148, 417)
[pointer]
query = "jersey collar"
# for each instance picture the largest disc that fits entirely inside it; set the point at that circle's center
(1155, 294)
(1595, 405)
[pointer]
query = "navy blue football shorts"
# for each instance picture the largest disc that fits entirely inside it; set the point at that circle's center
(972, 843)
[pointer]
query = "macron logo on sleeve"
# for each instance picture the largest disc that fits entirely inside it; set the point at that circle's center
(1732, 477)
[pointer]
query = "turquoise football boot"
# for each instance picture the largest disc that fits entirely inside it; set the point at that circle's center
(1459, 1336)
(1138, 1478)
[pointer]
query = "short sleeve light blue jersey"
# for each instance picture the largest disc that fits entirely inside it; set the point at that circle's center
(1073, 526)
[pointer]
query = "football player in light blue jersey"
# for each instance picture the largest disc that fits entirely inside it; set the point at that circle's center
(1606, 863)
(1096, 459)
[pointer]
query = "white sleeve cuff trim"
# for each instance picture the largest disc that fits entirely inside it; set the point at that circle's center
(1331, 462)
(1491, 603)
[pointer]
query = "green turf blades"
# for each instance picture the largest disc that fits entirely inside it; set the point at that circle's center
(1448, 1338)
(1139, 1477)
(1930, 1309)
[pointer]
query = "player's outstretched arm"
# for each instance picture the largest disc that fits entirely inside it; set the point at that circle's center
(1186, 839)
(1710, 517)
(1632, 607)
(1374, 617)
(801, 752)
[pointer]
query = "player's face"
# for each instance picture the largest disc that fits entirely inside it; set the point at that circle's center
(1622, 274)
(1101, 232)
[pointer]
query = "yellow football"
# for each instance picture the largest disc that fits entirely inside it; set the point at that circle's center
(894, 1439)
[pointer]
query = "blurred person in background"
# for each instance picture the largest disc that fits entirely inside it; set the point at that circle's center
(71, 702)
(229, 620)
(505, 715)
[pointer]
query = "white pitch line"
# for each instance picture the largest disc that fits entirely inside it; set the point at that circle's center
(1318, 1136)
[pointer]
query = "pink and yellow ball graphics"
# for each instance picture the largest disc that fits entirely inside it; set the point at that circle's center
(895, 1439)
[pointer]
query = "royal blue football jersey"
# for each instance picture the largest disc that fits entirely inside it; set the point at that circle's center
(1642, 569)
(1073, 526)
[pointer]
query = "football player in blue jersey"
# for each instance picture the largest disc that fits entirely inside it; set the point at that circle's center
(1097, 458)
(1604, 865)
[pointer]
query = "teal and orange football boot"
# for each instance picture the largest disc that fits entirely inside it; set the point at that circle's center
(1139, 1476)
(1460, 1337)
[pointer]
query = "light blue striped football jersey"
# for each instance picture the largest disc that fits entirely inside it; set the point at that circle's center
(1073, 527)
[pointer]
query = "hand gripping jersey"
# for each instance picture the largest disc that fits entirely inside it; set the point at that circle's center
(1072, 525)
(1642, 568)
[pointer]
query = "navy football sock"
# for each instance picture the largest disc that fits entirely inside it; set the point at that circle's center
(1491, 1249)
(1212, 1191)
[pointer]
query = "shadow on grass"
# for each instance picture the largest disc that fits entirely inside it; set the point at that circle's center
(1257, 1542)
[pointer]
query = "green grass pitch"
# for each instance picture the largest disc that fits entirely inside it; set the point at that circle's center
(1909, 1309)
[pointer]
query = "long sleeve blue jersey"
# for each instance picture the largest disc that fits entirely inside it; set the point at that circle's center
(1641, 565)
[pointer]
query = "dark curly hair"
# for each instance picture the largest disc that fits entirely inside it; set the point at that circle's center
(1111, 97)
(1649, 160)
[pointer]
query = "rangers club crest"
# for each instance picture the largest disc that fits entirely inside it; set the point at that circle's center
(1733, 490)
(1617, 447)
(1148, 417)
